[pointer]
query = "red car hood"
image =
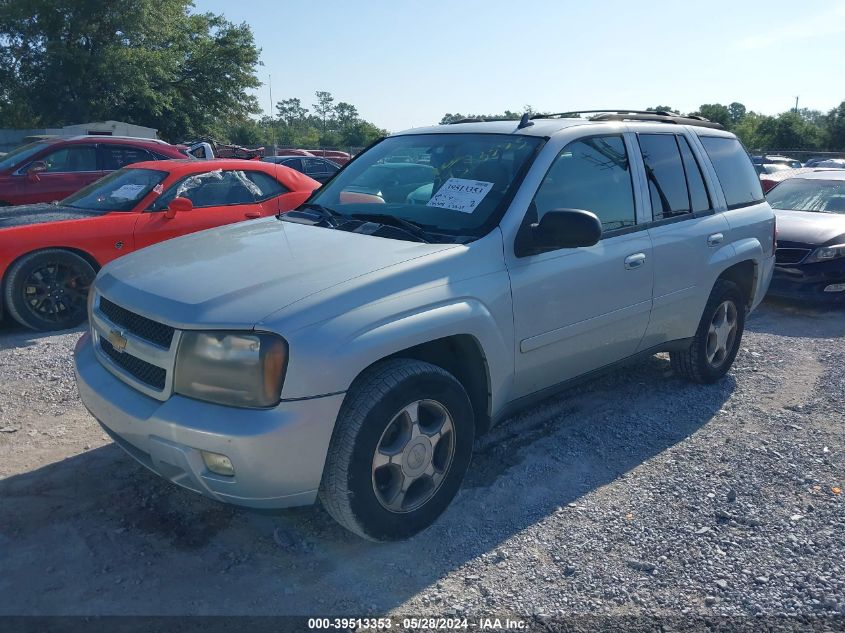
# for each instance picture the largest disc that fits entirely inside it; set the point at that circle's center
(40, 213)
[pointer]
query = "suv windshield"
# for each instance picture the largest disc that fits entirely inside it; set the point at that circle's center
(450, 185)
(804, 194)
(119, 191)
(20, 154)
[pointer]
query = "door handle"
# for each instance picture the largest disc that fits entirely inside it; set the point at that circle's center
(634, 261)
(252, 214)
(715, 239)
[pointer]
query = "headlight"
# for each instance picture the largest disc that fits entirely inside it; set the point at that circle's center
(239, 369)
(826, 253)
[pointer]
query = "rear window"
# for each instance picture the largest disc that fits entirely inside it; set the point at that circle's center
(737, 175)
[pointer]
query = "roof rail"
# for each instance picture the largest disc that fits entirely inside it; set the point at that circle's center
(482, 120)
(660, 116)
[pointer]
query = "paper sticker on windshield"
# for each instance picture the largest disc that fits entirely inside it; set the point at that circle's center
(127, 192)
(460, 194)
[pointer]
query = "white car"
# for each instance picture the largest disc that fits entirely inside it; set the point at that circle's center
(353, 349)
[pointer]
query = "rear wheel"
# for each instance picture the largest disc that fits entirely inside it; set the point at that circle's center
(400, 449)
(48, 290)
(718, 337)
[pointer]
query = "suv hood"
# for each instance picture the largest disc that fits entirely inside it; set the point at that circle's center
(233, 276)
(39, 213)
(809, 227)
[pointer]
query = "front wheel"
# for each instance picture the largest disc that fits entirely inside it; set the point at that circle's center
(717, 339)
(401, 446)
(48, 290)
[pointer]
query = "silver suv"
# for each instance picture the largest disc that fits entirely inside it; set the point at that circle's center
(353, 349)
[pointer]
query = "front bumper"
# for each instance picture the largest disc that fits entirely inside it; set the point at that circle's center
(278, 454)
(808, 281)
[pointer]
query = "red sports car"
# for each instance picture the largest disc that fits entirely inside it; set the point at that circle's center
(50, 253)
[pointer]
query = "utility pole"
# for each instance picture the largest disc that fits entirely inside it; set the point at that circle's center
(796, 104)
(270, 123)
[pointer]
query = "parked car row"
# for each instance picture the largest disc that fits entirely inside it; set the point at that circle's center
(50, 252)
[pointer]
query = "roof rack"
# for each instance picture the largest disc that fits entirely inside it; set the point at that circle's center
(481, 120)
(660, 116)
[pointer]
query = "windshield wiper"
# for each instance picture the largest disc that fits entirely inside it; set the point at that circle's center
(408, 226)
(329, 215)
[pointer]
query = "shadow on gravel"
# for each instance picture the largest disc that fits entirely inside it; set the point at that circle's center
(798, 320)
(97, 534)
(13, 335)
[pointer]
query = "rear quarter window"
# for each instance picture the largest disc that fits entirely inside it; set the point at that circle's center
(733, 166)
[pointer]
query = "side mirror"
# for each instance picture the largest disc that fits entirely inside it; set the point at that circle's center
(34, 169)
(178, 205)
(565, 228)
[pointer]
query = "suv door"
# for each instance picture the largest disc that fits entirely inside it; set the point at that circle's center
(68, 169)
(578, 309)
(219, 197)
(685, 232)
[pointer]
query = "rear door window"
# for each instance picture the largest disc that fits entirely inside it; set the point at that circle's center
(315, 167)
(266, 186)
(737, 175)
(664, 169)
(695, 181)
(117, 156)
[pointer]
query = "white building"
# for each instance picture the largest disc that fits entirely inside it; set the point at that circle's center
(9, 139)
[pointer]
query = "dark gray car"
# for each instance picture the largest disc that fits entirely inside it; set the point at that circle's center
(320, 169)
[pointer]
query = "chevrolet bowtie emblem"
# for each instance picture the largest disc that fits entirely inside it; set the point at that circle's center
(117, 340)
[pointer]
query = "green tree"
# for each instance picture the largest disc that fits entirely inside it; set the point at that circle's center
(737, 113)
(835, 128)
(345, 114)
(291, 111)
(748, 130)
(661, 109)
(715, 112)
(149, 62)
(324, 107)
(248, 133)
(789, 131)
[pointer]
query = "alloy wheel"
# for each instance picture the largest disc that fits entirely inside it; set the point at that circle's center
(56, 292)
(413, 456)
(722, 333)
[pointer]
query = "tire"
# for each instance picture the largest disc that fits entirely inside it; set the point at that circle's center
(359, 493)
(700, 363)
(48, 290)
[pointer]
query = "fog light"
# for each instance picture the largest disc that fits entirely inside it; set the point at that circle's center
(219, 464)
(834, 288)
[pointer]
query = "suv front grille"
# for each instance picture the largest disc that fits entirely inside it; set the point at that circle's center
(791, 255)
(142, 327)
(139, 369)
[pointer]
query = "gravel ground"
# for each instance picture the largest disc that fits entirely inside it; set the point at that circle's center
(634, 494)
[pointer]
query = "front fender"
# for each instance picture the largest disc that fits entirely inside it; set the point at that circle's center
(327, 357)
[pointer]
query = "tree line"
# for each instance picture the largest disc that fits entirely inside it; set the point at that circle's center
(804, 129)
(158, 64)
(326, 124)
